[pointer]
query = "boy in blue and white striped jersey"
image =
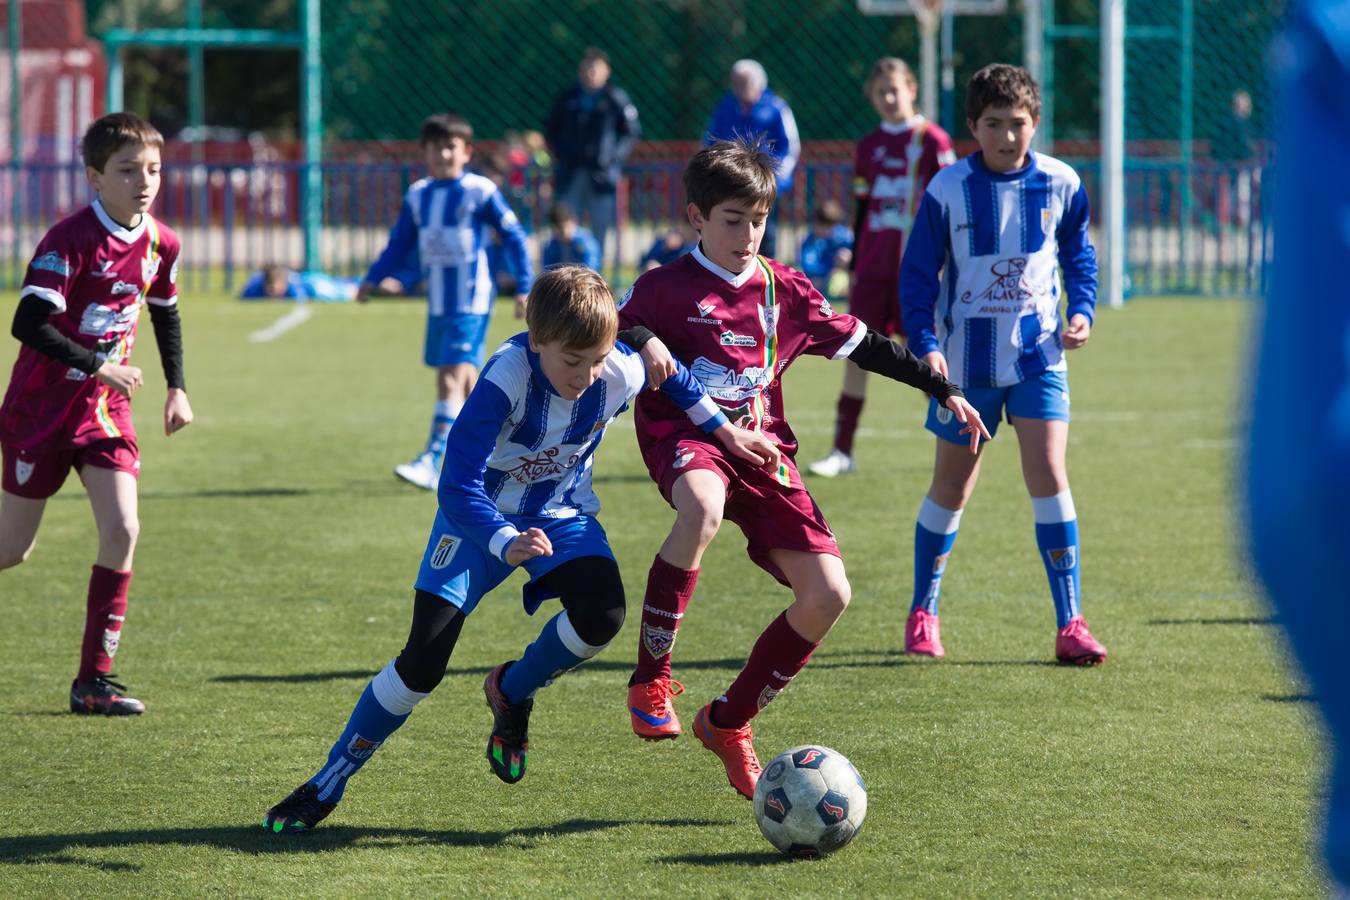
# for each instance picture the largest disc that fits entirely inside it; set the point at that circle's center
(445, 217)
(516, 492)
(980, 299)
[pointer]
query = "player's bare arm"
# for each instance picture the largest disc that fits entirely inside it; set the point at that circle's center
(1078, 332)
(751, 446)
(123, 379)
(527, 545)
(969, 416)
(937, 362)
(177, 411)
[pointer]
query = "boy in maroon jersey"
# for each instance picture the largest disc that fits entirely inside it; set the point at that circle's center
(891, 169)
(68, 403)
(736, 320)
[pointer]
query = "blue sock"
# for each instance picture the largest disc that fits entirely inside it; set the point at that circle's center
(1057, 538)
(446, 413)
(557, 649)
(934, 535)
(384, 706)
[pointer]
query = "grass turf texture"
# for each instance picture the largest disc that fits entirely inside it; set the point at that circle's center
(273, 578)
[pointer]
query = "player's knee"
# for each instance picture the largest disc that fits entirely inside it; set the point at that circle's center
(120, 534)
(831, 600)
(700, 519)
(11, 556)
(598, 614)
(421, 672)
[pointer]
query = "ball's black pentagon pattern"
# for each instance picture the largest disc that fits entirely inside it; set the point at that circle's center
(775, 770)
(832, 808)
(809, 758)
(777, 805)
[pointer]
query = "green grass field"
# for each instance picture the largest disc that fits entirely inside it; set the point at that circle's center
(273, 579)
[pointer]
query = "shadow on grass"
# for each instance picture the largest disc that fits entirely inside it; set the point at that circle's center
(226, 493)
(1235, 620)
(58, 848)
(895, 659)
(595, 665)
(1289, 698)
(731, 859)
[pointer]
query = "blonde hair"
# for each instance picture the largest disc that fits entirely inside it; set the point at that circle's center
(572, 304)
(889, 65)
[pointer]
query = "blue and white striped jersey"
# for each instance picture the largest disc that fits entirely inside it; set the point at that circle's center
(519, 450)
(447, 221)
(1000, 241)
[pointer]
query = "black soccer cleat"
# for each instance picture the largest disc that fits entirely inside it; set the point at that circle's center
(509, 743)
(101, 696)
(298, 813)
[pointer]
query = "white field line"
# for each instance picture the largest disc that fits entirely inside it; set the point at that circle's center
(292, 319)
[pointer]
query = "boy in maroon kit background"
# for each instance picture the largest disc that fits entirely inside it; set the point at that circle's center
(68, 402)
(736, 320)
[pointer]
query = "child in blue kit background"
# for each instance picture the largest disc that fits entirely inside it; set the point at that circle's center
(1000, 226)
(446, 218)
(516, 492)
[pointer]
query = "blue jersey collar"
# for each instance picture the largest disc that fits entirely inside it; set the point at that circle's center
(977, 163)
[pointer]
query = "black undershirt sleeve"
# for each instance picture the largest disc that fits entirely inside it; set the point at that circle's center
(636, 337)
(879, 354)
(169, 340)
(859, 216)
(33, 327)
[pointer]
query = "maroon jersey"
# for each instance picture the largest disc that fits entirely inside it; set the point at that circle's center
(891, 170)
(736, 333)
(97, 275)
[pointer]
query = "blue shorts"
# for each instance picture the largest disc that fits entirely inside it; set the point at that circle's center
(456, 568)
(1044, 397)
(456, 338)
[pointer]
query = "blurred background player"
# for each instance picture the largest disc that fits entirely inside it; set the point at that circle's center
(446, 218)
(669, 247)
(999, 227)
(278, 282)
(517, 493)
(591, 130)
(750, 111)
(754, 317)
(1298, 467)
(827, 248)
(68, 404)
(570, 243)
(891, 169)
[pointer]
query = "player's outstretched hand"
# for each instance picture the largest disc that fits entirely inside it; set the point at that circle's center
(660, 364)
(1078, 332)
(970, 417)
(522, 300)
(751, 446)
(363, 292)
(527, 545)
(937, 362)
(177, 411)
(123, 379)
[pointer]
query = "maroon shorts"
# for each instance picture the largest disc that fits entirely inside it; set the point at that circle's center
(876, 301)
(773, 510)
(38, 476)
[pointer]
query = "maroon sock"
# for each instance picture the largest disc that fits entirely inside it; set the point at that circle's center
(847, 414)
(104, 612)
(668, 591)
(779, 654)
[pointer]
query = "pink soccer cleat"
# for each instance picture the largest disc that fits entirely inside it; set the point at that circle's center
(922, 637)
(1075, 645)
(734, 747)
(651, 708)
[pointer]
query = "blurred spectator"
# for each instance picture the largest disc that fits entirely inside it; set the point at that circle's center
(1232, 145)
(570, 242)
(750, 110)
(669, 247)
(827, 249)
(590, 132)
(279, 282)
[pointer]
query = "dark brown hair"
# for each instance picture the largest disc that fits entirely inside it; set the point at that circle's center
(1001, 86)
(113, 132)
(445, 126)
(741, 170)
(574, 305)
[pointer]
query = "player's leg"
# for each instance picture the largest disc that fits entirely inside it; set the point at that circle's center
(26, 482)
(839, 461)
(112, 496)
(1038, 409)
(955, 472)
(454, 347)
(820, 593)
(19, 521)
(699, 497)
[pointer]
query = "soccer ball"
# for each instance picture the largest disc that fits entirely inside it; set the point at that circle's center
(810, 801)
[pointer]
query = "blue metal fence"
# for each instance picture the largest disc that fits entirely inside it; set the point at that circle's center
(1204, 231)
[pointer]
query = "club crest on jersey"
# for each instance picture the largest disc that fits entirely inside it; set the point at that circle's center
(111, 640)
(149, 268)
(1064, 559)
(940, 564)
(657, 641)
(445, 551)
(1047, 221)
(22, 471)
(944, 415)
(732, 339)
(173, 273)
(683, 457)
(361, 748)
(51, 261)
